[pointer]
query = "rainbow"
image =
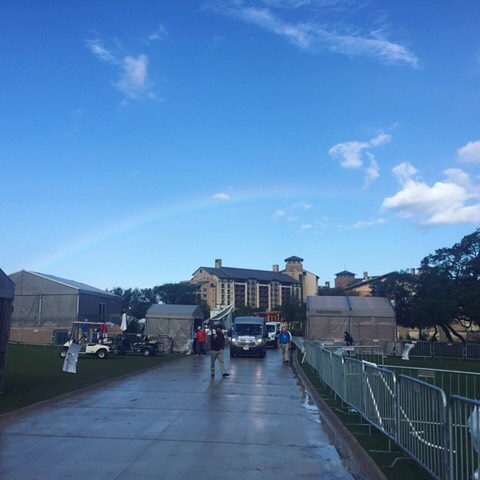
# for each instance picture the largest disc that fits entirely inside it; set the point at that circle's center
(161, 212)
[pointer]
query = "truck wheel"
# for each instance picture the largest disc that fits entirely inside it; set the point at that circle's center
(63, 352)
(102, 353)
(147, 352)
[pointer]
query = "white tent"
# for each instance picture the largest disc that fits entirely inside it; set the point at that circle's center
(368, 319)
(176, 321)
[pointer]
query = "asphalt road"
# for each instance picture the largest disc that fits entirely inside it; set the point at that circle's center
(176, 422)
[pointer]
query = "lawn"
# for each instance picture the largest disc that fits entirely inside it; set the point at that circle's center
(436, 363)
(34, 373)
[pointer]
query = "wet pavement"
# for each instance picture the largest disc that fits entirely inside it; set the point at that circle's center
(176, 422)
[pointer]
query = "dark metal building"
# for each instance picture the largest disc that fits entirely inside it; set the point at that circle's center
(43, 300)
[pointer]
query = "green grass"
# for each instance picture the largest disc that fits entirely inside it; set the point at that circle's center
(436, 363)
(375, 443)
(34, 373)
(452, 383)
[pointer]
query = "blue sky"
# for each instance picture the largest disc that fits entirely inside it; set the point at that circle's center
(140, 140)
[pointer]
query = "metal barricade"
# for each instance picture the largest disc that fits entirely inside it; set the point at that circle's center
(326, 367)
(338, 375)
(448, 350)
(380, 399)
(472, 351)
(465, 438)
(421, 349)
(354, 383)
(59, 337)
(422, 425)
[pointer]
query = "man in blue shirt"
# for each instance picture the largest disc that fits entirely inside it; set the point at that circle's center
(285, 339)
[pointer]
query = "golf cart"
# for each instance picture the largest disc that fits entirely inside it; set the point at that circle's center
(89, 336)
(142, 344)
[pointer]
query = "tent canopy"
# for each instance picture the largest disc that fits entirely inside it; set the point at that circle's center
(176, 321)
(47, 300)
(366, 318)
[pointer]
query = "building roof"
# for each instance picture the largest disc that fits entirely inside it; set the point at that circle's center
(81, 287)
(331, 306)
(345, 273)
(294, 259)
(165, 310)
(367, 281)
(250, 274)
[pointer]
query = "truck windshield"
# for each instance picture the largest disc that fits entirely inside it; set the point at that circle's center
(271, 328)
(248, 329)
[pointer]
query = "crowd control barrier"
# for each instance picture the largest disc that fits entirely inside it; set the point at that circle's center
(440, 432)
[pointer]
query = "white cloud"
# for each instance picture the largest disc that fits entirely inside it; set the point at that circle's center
(279, 213)
(134, 82)
(469, 153)
(305, 227)
(292, 218)
(369, 223)
(158, 34)
(303, 205)
(380, 139)
(221, 196)
(351, 156)
(451, 201)
(97, 47)
(371, 172)
(316, 38)
(349, 153)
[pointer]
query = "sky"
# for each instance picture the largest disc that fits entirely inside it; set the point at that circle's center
(142, 140)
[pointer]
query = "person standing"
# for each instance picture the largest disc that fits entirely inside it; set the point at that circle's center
(348, 339)
(285, 341)
(201, 339)
(217, 344)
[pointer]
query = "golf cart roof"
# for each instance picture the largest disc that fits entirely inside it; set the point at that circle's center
(88, 323)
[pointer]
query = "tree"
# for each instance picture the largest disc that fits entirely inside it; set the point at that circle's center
(401, 289)
(460, 264)
(177, 293)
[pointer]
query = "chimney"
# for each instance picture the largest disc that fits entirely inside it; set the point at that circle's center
(327, 284)
(276, 268)
(218, 263)
(412, 271)
(365, 275)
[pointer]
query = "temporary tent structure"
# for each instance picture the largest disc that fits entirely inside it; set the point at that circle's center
(7, 291)
(43, 300)
(177, 321)
(368, 319)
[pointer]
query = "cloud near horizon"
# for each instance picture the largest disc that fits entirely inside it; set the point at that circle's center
(455, 200)
(316, 38)
(221, 196)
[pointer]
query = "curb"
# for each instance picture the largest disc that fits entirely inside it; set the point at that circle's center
(14, 414)
(357, 460)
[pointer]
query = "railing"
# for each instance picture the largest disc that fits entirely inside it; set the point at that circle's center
(452, 382)
(440, 433)
(467, 351)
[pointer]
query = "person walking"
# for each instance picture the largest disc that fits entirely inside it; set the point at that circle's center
(217, 344)
(201, 339)
(285, 341)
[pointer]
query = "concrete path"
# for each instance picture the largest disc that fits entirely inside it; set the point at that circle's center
(176, 422)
